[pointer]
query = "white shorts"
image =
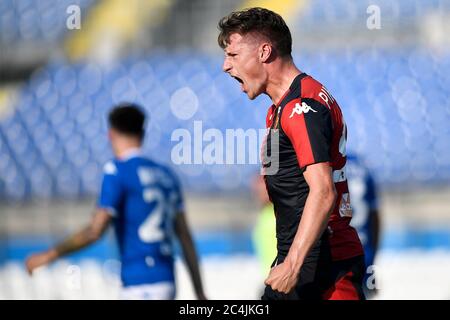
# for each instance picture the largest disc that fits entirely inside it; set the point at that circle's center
(155, 291)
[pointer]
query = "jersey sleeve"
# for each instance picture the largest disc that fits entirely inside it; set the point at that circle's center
(111, 189)
(308, 125)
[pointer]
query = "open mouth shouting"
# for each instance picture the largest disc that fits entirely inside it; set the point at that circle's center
(240, 81)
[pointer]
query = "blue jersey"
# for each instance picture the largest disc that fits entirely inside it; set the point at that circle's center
(143, 198)
(364, 201)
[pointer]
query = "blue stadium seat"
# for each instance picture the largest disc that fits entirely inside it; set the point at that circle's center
(44, 20)
(351, 12)
(390, 103)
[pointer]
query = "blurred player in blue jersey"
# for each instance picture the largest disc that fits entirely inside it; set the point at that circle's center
(366, 219)
(143, 201)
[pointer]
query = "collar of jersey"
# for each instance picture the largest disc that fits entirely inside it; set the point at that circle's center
(294, 84)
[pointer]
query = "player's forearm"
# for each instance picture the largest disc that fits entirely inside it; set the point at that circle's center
(316, 213)
(374, 214)
(190, 256)
(75, 242)
(189, 253)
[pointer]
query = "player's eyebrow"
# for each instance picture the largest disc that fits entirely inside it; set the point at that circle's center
(230, 53)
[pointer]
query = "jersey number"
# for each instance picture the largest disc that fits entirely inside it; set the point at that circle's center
(151, 229)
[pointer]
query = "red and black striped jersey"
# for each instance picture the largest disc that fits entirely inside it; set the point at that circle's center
(309, 128)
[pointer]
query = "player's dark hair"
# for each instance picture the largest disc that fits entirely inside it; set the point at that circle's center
(129, 119)
(259, 20)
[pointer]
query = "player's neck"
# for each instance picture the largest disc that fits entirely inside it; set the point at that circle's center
(128, 151)
(280, 79)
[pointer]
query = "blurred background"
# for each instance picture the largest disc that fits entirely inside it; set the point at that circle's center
(65, 63)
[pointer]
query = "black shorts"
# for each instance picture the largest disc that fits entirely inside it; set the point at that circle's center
(321, 278)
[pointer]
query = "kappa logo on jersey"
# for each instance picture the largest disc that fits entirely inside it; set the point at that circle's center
(299, 109)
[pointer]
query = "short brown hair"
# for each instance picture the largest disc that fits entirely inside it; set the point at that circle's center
(263, 21)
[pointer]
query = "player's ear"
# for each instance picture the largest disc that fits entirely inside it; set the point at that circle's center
(265, 51)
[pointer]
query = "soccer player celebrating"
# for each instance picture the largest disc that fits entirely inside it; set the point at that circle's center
(143, 201)
(319, 253)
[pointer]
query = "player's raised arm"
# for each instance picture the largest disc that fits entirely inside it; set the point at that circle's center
(84, 237)
(190, 254)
